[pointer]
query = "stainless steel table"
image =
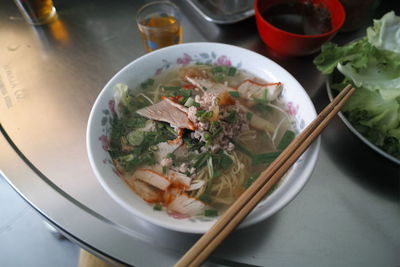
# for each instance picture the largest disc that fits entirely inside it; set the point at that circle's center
(347, 215)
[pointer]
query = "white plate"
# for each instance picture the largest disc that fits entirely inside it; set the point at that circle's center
(297, 101)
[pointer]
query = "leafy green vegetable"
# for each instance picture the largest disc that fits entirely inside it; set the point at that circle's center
(372, 64)
(384, 34)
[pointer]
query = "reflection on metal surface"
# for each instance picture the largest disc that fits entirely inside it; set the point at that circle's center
(224, 11)
(59, 31)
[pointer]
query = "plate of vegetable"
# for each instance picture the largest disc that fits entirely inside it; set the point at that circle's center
(372, 65)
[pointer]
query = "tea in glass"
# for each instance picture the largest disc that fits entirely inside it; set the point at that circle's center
(159, 25)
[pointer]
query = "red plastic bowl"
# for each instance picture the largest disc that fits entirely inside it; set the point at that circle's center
(291, 44)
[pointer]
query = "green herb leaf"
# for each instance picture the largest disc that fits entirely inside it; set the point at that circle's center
(265, 158)
(201, 160)
(243, 150)
(232, 117)
(286, 139)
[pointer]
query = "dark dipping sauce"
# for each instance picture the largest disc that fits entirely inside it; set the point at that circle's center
(303, 18)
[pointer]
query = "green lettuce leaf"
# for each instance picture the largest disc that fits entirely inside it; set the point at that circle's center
(385, 33)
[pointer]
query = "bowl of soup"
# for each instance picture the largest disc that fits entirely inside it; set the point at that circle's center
(299, 27)
(178, 134)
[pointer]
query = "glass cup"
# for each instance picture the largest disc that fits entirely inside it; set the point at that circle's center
(159, 24)
(37, 12)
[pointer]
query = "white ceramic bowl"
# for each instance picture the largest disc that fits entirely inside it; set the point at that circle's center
(297, 101)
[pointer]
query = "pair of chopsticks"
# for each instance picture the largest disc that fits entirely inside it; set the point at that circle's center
(256, 192)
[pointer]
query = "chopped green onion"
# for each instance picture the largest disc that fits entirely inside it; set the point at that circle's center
(210, 168)
(249, 115)
(171, 156)
(200, 112)
(204, 88)
(219, 77)
(125, 158)
(171, 88)
(157, 207)
(211, 213)
(154, 148)
(234, 94)
(207, 136)
(231, 118)
(164, 170)
(205, 197)
(232, 71)
(135, 138)
(206, 115)
(218, 69)
(263, 99)
(189, 102)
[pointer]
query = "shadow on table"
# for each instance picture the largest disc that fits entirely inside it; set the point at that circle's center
(244, 241)
(365, 166)
(239, 243)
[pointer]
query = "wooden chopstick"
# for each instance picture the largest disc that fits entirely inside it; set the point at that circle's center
(256, 192)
